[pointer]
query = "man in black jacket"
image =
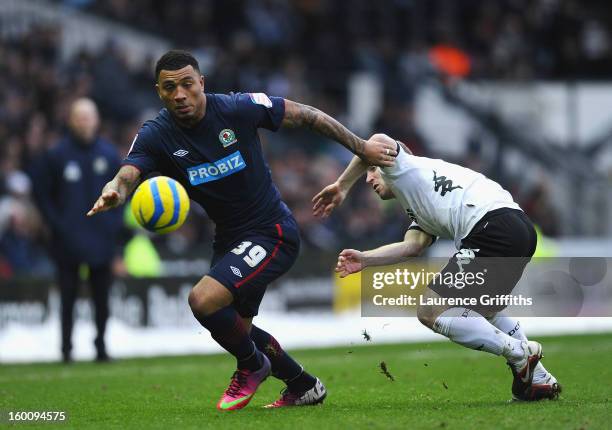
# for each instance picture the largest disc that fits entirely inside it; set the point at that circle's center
(67, 178)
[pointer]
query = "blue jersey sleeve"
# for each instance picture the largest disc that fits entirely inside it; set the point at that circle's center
(260, 110)
(142, 151)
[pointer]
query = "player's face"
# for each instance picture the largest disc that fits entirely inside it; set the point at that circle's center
(182, 92)
(375, 180)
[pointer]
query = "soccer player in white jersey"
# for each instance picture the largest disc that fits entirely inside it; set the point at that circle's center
(450, 201)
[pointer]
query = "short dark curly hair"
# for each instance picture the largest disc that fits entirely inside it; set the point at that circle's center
(174, 60)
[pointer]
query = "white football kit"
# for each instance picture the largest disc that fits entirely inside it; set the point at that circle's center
(443, 199)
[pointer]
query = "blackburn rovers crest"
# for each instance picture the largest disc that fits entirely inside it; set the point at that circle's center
(227, 137)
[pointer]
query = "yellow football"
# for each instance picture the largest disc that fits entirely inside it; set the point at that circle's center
(160, 204)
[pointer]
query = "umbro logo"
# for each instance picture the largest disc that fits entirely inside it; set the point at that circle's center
(236, 271)
(181, 153)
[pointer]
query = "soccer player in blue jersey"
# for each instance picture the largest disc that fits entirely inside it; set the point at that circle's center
(209, 143)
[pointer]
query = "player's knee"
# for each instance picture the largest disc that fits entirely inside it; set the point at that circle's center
(207, 297)
(197, 302)
(426, 315)
(202, 304)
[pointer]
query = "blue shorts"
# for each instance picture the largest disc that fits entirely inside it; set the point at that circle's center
(246, 266)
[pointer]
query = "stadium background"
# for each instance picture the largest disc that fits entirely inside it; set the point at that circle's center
(519, 90)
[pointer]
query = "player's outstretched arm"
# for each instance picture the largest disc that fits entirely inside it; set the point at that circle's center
(115, 192)
(372, 152)
(349, 261)
(415, 242)
(352, 261)
(333, 195)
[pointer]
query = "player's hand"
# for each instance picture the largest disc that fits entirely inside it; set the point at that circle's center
(328, 199)
(380, 150)
(108, 200)
(349, 261)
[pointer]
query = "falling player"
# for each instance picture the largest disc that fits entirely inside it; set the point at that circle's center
(450, 201)
(209, 143)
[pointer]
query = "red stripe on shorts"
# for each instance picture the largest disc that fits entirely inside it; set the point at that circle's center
(267, 261)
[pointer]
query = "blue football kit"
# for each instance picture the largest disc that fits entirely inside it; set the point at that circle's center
(220, 163)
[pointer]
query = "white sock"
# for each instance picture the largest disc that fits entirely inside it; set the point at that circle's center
(470, 329)
(512, 327)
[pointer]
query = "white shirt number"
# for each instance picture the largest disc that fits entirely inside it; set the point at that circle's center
(255, 255)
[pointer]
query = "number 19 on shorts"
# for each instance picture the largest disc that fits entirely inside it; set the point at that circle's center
(255, 253)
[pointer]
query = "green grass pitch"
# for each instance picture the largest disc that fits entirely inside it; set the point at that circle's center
(437, 385)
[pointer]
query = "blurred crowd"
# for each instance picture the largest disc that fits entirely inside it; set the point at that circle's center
(302, 49)
(540, 39)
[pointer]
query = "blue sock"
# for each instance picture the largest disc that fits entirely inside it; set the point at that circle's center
(228, 330)
(283, 366)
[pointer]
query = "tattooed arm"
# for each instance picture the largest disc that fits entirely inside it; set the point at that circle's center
(115, 192)
(372, 152)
